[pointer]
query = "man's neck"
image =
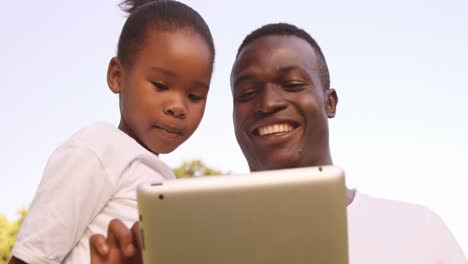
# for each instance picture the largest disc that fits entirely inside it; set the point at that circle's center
(350, 196)
(327, 160)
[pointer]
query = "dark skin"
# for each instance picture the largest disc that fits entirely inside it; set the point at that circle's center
(281, 112)
(275, 81)
(121, 246)
(163, 92)
(162, 101)
(14, 260)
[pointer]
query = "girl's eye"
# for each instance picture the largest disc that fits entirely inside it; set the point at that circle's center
(160, 86)
(196, 98)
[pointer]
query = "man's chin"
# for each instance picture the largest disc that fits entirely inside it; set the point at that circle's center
(277, 163)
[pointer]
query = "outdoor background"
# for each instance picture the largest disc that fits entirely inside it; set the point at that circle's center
(400, 68)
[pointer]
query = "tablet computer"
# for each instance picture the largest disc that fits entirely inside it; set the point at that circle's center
(289, 216)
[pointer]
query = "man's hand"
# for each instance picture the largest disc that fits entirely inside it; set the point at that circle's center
(122, 245)
(15, 260)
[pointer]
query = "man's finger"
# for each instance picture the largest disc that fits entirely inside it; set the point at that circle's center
(119, 234)
(98, 245)
(137, 241)
(137, 235)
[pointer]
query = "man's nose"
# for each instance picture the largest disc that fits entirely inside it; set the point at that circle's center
(270, 100)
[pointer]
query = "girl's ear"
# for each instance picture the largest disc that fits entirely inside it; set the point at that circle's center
(332, 101)
(114, 75)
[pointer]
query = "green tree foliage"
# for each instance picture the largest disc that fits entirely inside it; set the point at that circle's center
(8, 232)
(194, 168)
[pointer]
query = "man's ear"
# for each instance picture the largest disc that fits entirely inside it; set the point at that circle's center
(332, 101)
(114, 75)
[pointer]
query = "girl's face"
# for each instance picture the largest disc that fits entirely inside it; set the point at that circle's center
(163, 92)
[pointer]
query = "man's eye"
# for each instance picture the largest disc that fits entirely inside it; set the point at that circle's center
(160, 86)
(294, 86)
(244, 96)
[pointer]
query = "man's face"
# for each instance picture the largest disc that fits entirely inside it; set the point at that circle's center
(281, 108)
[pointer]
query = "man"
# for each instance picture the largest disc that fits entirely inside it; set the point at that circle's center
(282, 102)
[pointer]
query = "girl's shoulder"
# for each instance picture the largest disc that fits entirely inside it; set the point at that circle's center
(114, 149)
(103, 137)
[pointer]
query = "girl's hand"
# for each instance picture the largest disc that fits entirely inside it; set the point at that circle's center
(120, 247)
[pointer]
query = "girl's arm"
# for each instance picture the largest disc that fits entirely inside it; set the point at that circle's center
(74, 189)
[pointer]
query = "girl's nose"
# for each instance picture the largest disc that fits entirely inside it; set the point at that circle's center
(176, 108)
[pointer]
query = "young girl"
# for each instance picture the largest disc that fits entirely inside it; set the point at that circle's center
(162, 74)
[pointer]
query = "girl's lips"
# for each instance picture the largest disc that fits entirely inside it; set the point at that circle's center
(169, 129)
(168, 135)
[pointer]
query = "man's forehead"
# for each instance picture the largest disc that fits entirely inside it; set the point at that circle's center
(272, 42)
(275, 51)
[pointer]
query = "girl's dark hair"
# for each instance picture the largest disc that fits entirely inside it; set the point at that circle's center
(161, 15)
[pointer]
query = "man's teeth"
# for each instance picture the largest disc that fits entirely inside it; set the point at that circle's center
(273, 129)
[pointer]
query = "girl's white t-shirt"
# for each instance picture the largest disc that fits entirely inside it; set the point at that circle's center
(390, 232)
(88, 181)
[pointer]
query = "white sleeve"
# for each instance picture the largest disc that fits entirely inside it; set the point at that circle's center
(444, 244)
(74, 188)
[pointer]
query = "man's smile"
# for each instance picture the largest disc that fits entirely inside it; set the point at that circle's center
(275, 129)
(274, 132)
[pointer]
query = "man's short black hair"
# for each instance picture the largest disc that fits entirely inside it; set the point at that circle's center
(284, 29)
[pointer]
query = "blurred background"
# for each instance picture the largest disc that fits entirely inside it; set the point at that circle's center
(400, 69)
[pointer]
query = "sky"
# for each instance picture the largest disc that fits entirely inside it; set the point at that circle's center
(400, 69)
